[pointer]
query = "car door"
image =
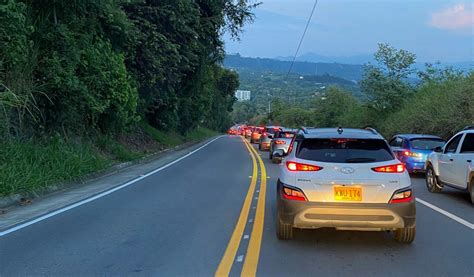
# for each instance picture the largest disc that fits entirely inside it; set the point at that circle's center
(462, 159)
(447, 167)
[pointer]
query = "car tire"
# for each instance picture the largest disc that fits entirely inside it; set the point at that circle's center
(405, 235)
(260, 146)
(471, 190)
(432, 182)
(270, 155)
(284, 231)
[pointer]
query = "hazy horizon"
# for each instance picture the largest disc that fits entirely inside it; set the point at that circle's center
(434, 30)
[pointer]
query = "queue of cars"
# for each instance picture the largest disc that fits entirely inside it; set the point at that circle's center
(353, 179)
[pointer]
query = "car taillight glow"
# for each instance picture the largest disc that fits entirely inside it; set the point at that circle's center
(294, 166)
(293, 194)
(411, 154)
(394, 168)
(402, 196)
(290, 148)
(280, 142)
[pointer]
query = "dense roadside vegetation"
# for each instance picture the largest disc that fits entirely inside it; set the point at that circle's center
(84, 83)
(441, 102)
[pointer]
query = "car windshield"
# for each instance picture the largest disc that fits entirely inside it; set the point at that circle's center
(426, 143)
(344, 150)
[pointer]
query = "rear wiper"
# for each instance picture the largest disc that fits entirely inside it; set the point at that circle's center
(360, 160)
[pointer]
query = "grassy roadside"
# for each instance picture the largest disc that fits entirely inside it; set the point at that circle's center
(27, 166)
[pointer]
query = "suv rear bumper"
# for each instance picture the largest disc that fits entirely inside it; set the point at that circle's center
(359, 216)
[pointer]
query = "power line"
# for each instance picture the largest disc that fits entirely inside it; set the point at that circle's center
(302, 37)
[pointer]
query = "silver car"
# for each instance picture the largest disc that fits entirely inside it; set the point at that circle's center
(347, 179)
(280, 144)
(266, 137)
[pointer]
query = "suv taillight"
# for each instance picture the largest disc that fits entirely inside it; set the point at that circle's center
(280, 142)
(394, 168)
(292, 194)
(290, 148)
(402, 196)
(412, 154)
(294, 166)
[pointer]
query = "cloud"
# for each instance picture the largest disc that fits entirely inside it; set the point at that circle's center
(457, 17)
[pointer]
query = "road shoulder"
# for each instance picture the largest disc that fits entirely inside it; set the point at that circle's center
(76, 192)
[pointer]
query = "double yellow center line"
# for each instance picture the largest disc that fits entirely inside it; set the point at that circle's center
(253, 250)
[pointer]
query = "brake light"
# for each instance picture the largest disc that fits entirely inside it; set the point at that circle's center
(294, 166)
(293, 194)
(394, 168)
(411, 154)
(402, 196)
(280, 142)
(290, 148)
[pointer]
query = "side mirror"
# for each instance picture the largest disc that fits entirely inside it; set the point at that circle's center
(438, 149)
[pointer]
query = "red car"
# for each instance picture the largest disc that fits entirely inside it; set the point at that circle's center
(248, 131)
(256, 134)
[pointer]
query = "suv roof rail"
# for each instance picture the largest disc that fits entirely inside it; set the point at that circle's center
(304, 129)
(469, 127)
(368, 128)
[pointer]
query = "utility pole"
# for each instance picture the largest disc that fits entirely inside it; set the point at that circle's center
(269, 103)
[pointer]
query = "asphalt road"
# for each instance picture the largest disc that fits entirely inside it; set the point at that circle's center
(213, 213)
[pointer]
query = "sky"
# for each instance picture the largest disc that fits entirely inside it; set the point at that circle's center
(435, 30)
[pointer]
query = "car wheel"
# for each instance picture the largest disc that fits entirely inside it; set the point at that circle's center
(405, 235)
(260, 146)
(432, 182)
(270, 155)
(471, 190)
(284, 231)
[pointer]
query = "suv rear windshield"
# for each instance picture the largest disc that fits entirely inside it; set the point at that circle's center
(271, 130)
(426, 143)
(341, 150)
(284, 135)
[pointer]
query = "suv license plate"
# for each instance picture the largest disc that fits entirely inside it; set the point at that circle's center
(342, 193)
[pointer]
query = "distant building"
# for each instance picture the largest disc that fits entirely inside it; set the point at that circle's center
(242, 95)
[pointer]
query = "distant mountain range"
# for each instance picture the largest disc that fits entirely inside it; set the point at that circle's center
(313, 57)
(352, 72)
(366, 58)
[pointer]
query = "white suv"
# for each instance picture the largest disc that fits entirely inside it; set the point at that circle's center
(348, 179)
(453, 164)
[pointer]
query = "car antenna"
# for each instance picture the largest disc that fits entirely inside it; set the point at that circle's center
(340, 130)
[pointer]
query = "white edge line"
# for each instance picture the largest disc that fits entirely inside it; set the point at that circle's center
(448, 214)
(102, 194)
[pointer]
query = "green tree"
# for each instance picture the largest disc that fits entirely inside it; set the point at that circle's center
(336, 108)
(385, 85)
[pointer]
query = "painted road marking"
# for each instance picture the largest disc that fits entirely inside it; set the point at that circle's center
(240, 258)
(229, 255)
(253, 251)
(100, 195)
(448, 214)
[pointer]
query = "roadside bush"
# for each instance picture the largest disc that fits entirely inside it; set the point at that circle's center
(27, 165)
